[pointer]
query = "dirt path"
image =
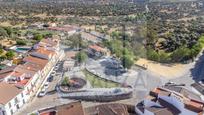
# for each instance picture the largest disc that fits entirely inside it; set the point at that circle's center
(169, 71)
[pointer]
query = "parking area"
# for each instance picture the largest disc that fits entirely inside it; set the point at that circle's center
(49, 87)
(108, 68)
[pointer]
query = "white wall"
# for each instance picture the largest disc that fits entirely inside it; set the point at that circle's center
(1, 109)
(14, 105)
(178, 104)
(174, 101)
(146, 112)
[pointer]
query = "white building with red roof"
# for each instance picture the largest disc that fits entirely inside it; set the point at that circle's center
(18, 84)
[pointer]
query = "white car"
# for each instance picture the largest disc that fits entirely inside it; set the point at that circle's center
(53, 73)
(42, 94)
(46, 85)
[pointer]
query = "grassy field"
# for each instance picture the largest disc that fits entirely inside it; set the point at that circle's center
(201, 40)
(97, 82)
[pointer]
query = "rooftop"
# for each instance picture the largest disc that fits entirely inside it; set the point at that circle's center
(8, 92)
(35, 60)
(97, 48)
(74, 108)
(199, 87)
(110, 109)
(190, 103)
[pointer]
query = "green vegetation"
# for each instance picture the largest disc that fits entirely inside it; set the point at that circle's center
(201, 41)
(21, 42)
(3, 33)
(1, 51)
(81, 57)
(10, 54)
(97, 82)
(2, 58)
(125, 54)
(38, 36)
(65, 81)
(75, 41)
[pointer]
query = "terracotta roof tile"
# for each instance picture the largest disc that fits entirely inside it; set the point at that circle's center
(8, 92)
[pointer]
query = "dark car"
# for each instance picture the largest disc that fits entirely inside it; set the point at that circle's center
(50, 79)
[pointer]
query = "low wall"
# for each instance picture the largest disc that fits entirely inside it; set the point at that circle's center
(102, 98)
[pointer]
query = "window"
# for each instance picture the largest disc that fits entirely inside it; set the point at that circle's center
(23, 101)
(4, 113)
(16, 100)
(11, 112)
(21, 94)
(9, 105)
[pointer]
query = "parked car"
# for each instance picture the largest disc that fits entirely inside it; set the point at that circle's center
(53, 73)
(50, 79)
(46, 85)
(42, 94)
(56, 68)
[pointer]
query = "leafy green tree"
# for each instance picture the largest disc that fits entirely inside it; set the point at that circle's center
(195, 50)
(75, 41)
(151, 36)
(38, 36)
(180, 54)
(3, 33)
(21, 42)
(65, 81)
(81, 57)
(127, 61)
(2, 58)
(164, 57)
(10, 55)
(152, 55)
(1, 51)
(9, 31)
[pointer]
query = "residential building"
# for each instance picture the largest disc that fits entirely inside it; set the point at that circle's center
(74, 108)
(198, 88)
(11, 98)
(110, 109)
(66, 29)
(89, 37)
(19, 84)
(97, 51)
(170, 100)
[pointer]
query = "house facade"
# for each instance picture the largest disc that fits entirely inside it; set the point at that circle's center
(21, 83)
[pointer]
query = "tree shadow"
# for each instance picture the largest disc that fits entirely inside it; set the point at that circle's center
(197, 73)
(112, 67)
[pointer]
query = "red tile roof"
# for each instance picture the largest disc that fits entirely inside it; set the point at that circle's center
(193, 105)
(97, 48)
(8, 92)
(35, 60)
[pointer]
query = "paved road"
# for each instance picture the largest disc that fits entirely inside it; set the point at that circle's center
(44, 102)
(148, 80)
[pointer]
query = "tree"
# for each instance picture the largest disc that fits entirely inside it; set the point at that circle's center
(9, 31)
(1, 50)
(2, 58)
(76, 41)
(21, 42)
(180, 54)
(152, 55)
(38, 36)
(65, 82)
(10, 55)
(81, 57)
(164, 57)
(3, 33)
(127, 61)
(195, 50)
